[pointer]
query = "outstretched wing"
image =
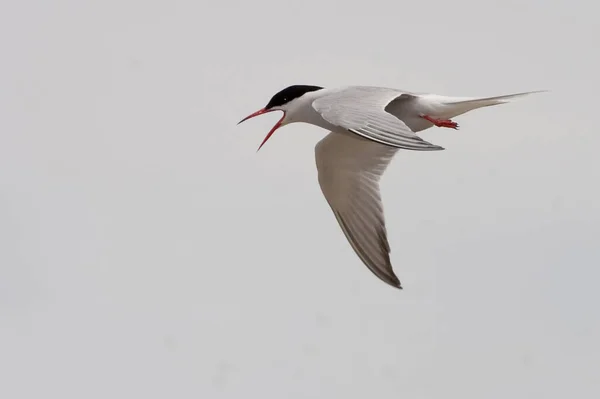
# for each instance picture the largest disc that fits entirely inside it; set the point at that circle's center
(349, 168)
(361, 110)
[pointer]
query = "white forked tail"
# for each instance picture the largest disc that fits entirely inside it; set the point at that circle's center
(454, 106)
(487, 101)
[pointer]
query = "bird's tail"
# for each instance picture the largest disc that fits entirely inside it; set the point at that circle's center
(487, 101)
(455, 106)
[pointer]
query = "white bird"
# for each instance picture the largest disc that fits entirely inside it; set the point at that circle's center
(367, 126)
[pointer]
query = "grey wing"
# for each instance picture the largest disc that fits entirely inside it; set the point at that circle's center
(362, 110)
(349, 168)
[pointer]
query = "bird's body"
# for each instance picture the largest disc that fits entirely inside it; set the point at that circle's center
(367, 126)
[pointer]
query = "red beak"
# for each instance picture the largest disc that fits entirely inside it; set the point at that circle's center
(260, 112)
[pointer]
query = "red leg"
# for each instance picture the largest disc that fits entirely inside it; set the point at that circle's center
(441, 122)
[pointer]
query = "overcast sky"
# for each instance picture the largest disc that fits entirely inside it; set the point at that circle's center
(147, 250)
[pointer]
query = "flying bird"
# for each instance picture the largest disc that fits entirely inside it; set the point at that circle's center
(367, 125)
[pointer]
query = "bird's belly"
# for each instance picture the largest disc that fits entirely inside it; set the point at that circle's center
(416, 123)
(411, 113)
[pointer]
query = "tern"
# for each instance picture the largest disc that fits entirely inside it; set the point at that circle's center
(367, 125)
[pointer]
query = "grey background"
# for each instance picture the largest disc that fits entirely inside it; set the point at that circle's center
(147, 250)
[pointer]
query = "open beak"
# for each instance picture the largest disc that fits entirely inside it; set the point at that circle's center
(260, 112)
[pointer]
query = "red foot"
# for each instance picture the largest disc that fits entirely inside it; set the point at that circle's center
(441, 122)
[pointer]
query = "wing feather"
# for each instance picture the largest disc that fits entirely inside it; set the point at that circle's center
(361, 110)
(349, 169)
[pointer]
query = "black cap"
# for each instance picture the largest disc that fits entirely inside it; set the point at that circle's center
(290, 93)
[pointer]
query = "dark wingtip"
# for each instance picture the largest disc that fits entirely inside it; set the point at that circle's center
(395, 282)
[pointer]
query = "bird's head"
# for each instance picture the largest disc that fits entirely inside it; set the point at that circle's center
(287, 101)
